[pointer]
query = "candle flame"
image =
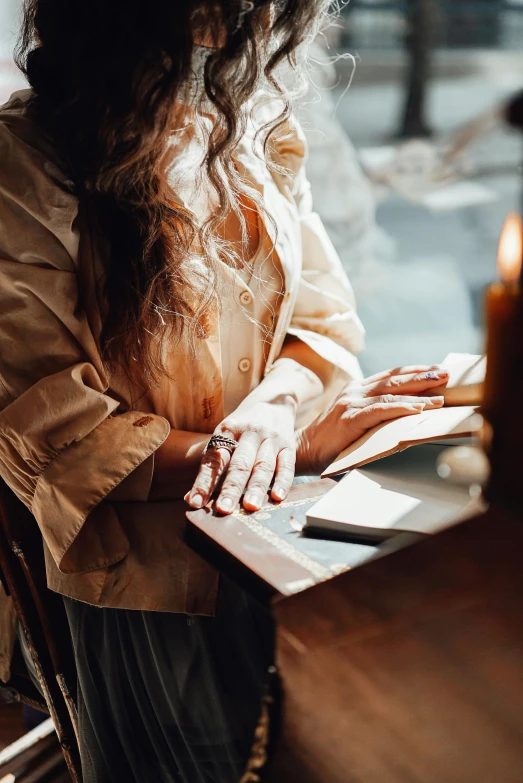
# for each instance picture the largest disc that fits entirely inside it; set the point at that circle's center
(510, 254)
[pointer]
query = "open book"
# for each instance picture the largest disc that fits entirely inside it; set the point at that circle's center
(458, 420)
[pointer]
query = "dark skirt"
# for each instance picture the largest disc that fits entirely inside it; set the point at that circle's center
(170, 698)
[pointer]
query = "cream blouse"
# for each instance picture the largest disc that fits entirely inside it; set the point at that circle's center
(247, 324)
(76, 445)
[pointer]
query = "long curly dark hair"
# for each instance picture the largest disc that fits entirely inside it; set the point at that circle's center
(109, 79)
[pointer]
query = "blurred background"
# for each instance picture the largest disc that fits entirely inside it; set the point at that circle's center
(413, 168)
(413, 203)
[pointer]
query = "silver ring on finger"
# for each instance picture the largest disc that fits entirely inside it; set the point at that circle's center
(221, 442)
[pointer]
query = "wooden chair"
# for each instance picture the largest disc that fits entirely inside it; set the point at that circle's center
(43, 620)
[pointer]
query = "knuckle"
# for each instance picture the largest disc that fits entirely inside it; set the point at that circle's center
(233, 485)
(227, 426)
(258, 486)
(242, 466)
(200, 486)
(205, 472)
(386, 399)
(370, 409)
(212, 461)
(395, 382)
(266, 433)
(264, 465)
(287, 460)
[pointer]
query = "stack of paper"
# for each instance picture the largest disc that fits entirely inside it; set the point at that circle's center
(403, 494)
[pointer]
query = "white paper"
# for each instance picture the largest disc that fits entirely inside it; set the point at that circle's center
(360, 501)
(402, 494)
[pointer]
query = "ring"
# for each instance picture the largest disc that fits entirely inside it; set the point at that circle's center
(221, 442)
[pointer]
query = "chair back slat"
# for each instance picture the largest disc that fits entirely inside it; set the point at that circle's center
(42, 618)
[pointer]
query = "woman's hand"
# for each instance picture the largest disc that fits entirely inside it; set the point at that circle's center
(402, 380)
(266, 449)
(364, 404)
(264, 428)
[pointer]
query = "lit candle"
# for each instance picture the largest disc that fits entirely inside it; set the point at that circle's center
(502, 305)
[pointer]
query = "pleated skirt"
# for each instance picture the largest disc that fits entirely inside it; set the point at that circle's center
(170, 698)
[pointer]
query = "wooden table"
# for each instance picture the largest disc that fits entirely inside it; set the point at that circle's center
(398, 666)
(267, 553)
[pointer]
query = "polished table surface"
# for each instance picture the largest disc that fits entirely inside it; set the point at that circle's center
(268, 550)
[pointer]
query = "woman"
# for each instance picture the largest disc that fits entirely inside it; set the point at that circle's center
(172, 315)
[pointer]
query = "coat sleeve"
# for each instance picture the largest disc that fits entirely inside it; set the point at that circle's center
(65, 443)
(325, 315)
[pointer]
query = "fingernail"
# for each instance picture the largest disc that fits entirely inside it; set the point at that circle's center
(279, 493)
(196, 500)
(225, 504)
(252, 499)
(436, 376)
(418, 407)
(434, 402)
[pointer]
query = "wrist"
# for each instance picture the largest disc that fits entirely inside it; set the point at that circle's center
(299, 381)
(285, 400)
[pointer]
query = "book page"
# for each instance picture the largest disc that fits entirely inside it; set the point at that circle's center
(444, 423)
(393, 436)
(380, 441)
(467, 375)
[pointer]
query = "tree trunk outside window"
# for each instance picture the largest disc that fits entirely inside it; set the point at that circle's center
(421, 18)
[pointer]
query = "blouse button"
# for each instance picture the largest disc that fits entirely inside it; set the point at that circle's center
(244, 365)
(245, 298)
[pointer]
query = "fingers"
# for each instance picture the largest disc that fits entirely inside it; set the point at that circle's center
(261, 477)
(250, 470)
(366, 418)
(409, 383)
(409, 370)
(428, 403)
(269, 465)
(214, 464)
(285, 470)
(240, 469)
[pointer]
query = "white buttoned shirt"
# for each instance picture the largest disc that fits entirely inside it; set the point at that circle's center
(247, 322)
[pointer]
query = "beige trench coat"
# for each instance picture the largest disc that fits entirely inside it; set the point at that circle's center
(69, 434)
